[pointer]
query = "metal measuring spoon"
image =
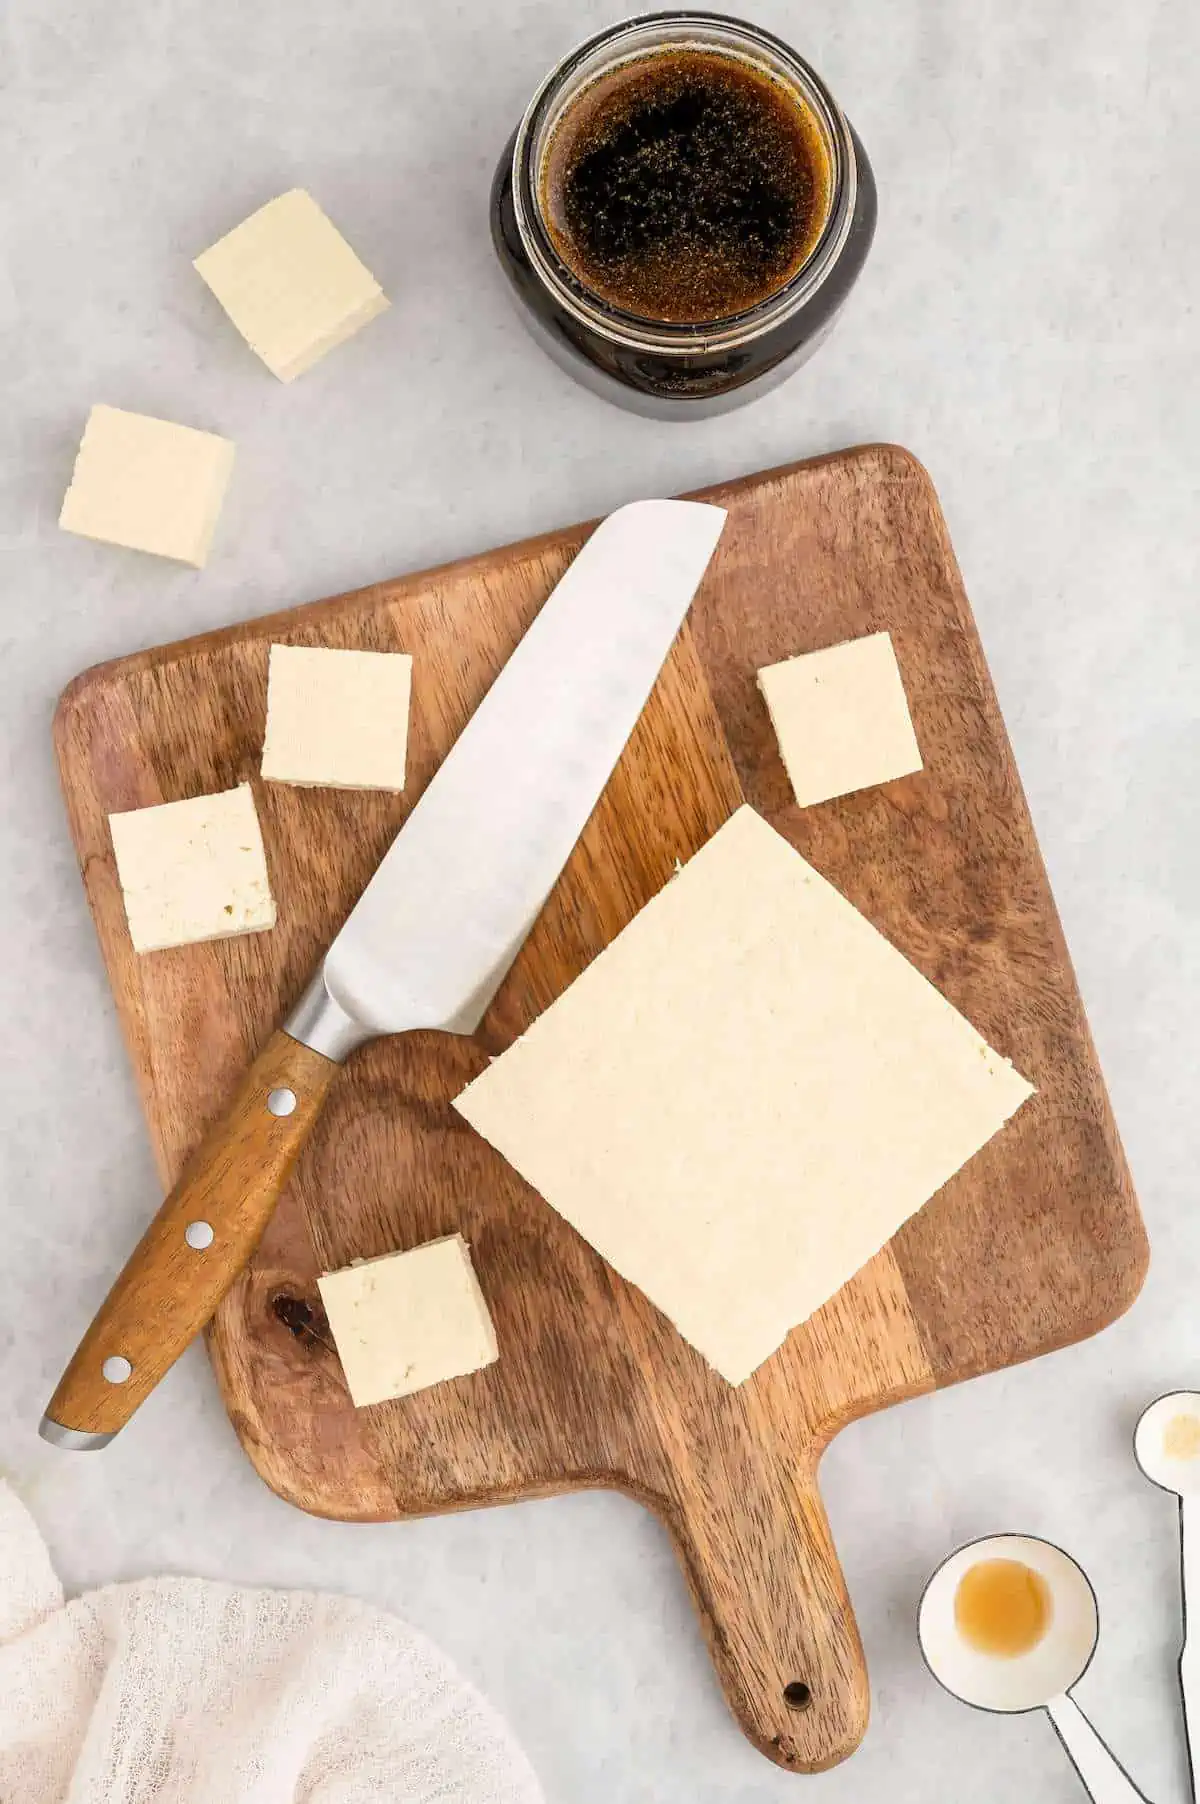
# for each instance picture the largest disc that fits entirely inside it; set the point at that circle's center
(1041, 1678)
(1166, 1445)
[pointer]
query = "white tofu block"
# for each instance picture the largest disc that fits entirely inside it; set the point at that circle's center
(841, 718)
(148, 484)
(337, 718)
(290, 283)
(408, 1320)
(193, 870)
(744, 1096)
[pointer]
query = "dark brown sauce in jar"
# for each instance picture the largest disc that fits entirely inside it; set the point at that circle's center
(682, 213)
(686, 187)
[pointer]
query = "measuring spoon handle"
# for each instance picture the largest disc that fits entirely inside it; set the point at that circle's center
(1104, 1778)
(1189, 1658)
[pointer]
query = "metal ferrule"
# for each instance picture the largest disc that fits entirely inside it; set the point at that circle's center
(319, 1020)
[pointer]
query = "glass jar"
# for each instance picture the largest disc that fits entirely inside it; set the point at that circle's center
(669, 370)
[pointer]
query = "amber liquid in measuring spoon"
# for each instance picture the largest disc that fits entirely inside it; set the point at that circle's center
(1181, 1437)
(1002, 1607)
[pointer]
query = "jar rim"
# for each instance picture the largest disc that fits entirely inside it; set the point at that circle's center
(642, 35)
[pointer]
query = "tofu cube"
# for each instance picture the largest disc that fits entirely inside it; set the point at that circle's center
(193, 870)
(290, 283)
(409, 1320)
(337, 719)
(148, 484)
(841, 718)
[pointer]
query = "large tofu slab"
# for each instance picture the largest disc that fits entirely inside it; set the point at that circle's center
(744, 1096)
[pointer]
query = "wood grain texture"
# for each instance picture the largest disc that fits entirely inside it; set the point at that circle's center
(1036, 1243)
(169, 1289)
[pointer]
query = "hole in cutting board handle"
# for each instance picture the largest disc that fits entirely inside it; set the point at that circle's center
(797, 1695)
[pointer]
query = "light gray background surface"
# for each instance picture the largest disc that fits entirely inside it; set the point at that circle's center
(1027, 326)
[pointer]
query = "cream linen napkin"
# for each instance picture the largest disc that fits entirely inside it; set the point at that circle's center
(181, 1689)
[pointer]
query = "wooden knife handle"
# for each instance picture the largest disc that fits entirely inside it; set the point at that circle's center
(762, 1567)
(195, 1247)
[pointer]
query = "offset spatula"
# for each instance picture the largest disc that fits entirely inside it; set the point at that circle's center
(429, 941)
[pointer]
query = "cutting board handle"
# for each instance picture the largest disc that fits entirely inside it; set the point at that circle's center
(762, 1567)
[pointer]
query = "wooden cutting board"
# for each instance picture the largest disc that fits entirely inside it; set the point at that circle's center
(1036, 1243)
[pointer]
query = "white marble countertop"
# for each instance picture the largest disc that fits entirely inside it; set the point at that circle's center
(1027, 326)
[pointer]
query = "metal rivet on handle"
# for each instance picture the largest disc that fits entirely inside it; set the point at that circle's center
(198, 1235)
(117, 1368)
(281, 1102)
